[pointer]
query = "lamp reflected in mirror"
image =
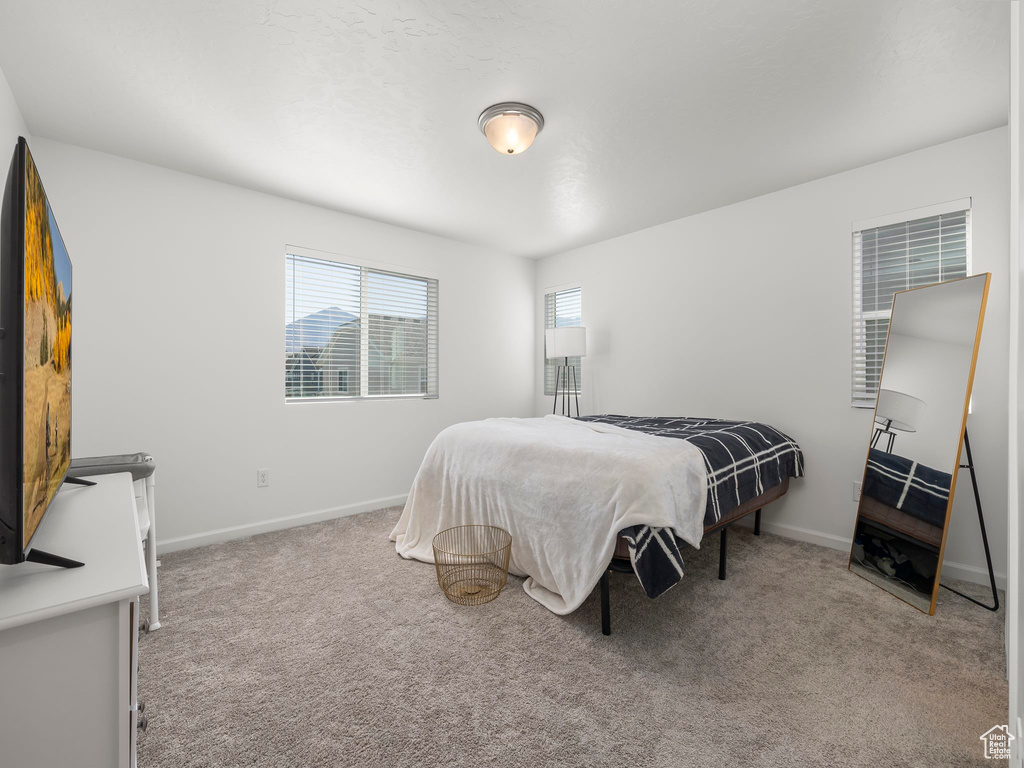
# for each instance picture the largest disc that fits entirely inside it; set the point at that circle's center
(895, 412)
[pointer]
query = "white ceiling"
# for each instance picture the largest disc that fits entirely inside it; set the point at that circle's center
(655, 110)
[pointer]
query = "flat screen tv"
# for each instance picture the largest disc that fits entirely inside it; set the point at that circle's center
(35, 361)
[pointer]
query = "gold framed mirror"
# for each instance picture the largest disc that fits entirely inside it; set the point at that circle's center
(913, 456)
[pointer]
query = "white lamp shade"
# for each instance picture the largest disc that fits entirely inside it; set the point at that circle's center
(565, 342)
(903, 410)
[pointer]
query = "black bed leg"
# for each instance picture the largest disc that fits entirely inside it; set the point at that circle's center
(606, 619)
(757, 523)
(723, 546)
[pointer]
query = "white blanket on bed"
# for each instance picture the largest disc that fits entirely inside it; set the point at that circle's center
(563, 489)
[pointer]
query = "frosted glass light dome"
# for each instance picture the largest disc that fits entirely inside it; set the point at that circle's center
(510, 127)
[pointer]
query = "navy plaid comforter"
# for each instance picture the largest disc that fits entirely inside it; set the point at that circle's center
(902, 483)
(743, 459)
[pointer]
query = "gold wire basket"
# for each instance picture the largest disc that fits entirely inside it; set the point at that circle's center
(472, 562)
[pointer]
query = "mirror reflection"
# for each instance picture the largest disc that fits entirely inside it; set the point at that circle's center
(914, 450)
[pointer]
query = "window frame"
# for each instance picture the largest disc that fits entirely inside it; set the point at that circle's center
(857, 293)
(370, 264)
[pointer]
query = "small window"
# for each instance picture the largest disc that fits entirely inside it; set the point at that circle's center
(909, 250)
(358, 331)
(562, 309)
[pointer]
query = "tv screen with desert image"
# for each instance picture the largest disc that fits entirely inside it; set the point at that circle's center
(47, 384)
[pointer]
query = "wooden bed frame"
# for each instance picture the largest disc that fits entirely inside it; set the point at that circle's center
(620, 561)
(899, 521)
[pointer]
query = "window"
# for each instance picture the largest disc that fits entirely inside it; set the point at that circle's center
(899, 252)
(357, 331)
(562, 309)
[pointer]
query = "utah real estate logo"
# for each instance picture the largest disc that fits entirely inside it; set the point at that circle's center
(997, 742)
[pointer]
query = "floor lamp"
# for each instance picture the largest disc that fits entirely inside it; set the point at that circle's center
(565, 343)
(895, 411)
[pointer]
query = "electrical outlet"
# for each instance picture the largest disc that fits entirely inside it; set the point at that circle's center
(856, 490)
(262, 478)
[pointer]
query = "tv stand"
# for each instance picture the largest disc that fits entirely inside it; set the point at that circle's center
(77, 481)
(45, 558)
(69, 637)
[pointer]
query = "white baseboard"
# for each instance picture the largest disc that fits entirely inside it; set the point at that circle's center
(194, 540)
(802, 534)
(970, 573)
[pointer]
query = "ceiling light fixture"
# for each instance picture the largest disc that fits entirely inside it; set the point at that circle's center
(510, 127)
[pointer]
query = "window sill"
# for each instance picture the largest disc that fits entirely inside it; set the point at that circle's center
(356, 398)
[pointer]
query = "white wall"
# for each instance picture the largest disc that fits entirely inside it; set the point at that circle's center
(179, 344)
(745, 312)
(12, 125)
(1015, 400)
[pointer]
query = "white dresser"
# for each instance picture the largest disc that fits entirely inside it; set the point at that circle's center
(69, 637)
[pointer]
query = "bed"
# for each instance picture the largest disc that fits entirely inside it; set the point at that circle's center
(748, 465)
(583, 496)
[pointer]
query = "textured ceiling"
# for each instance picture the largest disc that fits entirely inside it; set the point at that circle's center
(655, 110)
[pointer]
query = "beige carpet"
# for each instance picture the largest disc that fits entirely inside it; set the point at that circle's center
(319, 646)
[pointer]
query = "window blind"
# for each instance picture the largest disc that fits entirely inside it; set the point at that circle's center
(562, 309)
(896, 257)
(355, 331)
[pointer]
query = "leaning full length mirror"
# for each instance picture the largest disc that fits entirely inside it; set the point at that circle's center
(920, 416)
